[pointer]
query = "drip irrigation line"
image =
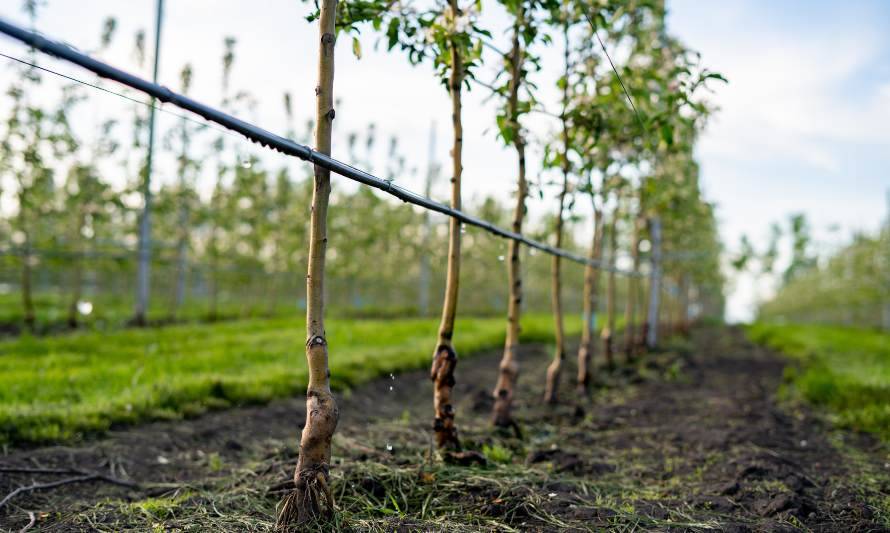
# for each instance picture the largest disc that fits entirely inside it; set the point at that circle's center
(278, 143)
(615, 70)
(114, 93)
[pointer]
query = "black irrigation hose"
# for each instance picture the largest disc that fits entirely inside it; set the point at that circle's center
(276, 142)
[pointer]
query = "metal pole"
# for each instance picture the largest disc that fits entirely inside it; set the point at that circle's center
(654, 283)
(144, 272)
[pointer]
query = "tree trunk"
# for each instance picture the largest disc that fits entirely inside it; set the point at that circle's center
(312, 497)
(214, 274)
(444, 357)
(591, 296)
(76, 289)
(630, 309)
(555, 367)
(608, 331)
(683, 308)
(27, 301)
(508, 370)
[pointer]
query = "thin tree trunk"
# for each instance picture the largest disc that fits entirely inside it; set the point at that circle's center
(508, 370)
(181, 260)
(608, 331)
(632, 287)
(27, 301)
(445, 357)
(684, 305)
(587, 348)
(183, 215)
(76, 288)
(555, 367)
(312, 497)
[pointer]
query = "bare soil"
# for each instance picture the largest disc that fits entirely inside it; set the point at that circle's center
(694, 438)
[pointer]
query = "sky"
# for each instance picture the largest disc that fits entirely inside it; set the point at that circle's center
(803, 126)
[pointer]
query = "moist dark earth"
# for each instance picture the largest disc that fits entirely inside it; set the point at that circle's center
(694, 438)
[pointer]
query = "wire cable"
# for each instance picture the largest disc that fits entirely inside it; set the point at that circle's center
(281, 144)
(121, 95)
(615, 70)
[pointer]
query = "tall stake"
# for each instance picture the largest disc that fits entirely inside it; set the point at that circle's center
(312, 473)
(444, 357)
(553, 370)
(591, 300)
(144, 272)
(508, 370)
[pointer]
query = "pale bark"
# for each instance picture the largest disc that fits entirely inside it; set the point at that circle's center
(444, 356)
(587, 349)
(312, 497)
(508, 370)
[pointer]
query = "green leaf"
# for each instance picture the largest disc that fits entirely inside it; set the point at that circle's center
(356, 47)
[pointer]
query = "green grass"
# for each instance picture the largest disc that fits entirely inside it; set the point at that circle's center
(845, 369)
(61, 388)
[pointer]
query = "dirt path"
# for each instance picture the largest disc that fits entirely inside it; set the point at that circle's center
(691, 439)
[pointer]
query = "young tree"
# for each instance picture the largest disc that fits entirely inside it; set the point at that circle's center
(525, 31)
(555, 367)
(448, 34)
(184, 196)
(587, 346)
(28, 136)
(312, 497)
(214, 214)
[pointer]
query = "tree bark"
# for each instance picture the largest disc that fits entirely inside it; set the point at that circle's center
(555, 367)
(587, 348)
(608, 331)
(312, 498)
(508, 370)
(445, 357)
(632, 288)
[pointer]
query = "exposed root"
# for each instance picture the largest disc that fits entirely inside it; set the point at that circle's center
(311, 501)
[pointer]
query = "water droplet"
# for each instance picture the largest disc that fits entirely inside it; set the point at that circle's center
(390, 388)
(84, 307)
(501, 258)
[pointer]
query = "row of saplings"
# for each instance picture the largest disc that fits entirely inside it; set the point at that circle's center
(444, 36)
